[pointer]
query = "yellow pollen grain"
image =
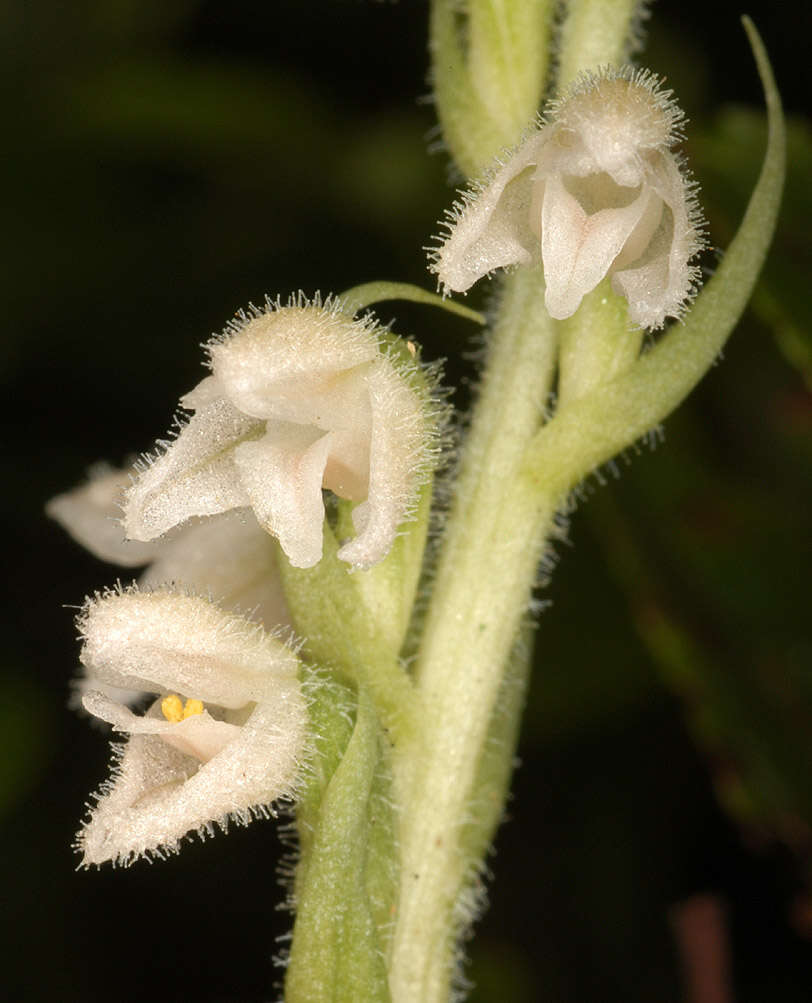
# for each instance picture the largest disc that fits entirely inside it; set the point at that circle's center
(192, 707)
(174, 710)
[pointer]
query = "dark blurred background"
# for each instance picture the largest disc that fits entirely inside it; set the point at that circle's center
(168, 161)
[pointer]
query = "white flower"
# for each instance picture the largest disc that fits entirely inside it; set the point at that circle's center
(223, 740)
(227, 557)
(595, 191)
(301, 398)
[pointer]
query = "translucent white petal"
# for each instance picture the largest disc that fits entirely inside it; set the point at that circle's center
(282, 474)
(396, 455)
(164, 641)
(578, 249)
(196, 474)
(208, 391)
(92, 515)
(615, 114)
(641, 237)
(492, 228)
(646, 289)
(658, 284)
(228, 557)
(347, 469)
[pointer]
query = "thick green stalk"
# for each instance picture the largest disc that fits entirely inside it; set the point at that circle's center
(492, 544)
(489, 67)
(596, 33)
(513, 476)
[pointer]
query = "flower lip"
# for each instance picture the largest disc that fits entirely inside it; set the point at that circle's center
(200, 735)
(596, 190)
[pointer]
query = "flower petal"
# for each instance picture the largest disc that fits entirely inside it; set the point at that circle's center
(166, 641)
(229, 558)
(282, 474)
(577, 249)
(397, 455)
(491, 228)
(195, 476)
(92, 515)
(662, 280)
(156, 794)
(290, 363)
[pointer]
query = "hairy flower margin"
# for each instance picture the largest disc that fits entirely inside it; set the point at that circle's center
(224, 737)
(301, 397)
(596, 190)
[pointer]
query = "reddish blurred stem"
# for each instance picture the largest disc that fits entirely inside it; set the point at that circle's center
(700, 930)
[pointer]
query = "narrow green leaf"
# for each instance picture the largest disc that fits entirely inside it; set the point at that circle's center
(365, 295)
(337, 956)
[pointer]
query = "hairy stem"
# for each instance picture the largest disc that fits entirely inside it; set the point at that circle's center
(492, 544)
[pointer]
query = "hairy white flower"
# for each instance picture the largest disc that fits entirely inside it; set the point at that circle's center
(227, 557)
(223, 740)
(301, 397)
(597, 190)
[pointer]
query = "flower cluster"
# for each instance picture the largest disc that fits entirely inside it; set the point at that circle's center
(301, 398)
(597, 190)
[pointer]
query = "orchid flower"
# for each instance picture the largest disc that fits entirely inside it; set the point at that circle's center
(226, 557)
(594, 191)
(301, 398)
(223, 738)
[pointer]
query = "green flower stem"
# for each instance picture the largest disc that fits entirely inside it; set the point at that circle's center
(342, 633)
(595, 33)
(597, 344)
(515, 473)
(495, 768)
(492, 544)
